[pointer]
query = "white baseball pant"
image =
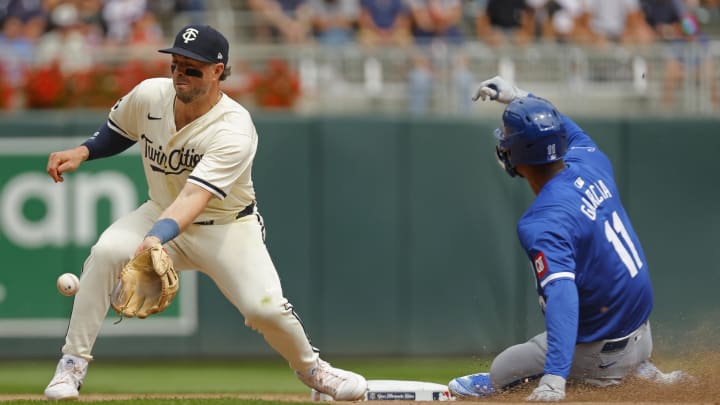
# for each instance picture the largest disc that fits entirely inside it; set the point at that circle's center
(233, 255)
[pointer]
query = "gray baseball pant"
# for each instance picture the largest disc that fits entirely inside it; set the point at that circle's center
(601, 363)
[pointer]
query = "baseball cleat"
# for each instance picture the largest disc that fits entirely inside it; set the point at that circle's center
(340, 384)
(471, 386)
(68, 378)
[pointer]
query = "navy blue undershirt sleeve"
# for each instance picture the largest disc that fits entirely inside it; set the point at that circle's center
(106, 142)
(561, 320)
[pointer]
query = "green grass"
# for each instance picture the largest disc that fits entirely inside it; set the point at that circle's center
(178, 401)
(238, 376)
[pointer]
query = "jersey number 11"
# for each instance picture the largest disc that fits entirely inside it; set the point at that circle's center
(633, 263)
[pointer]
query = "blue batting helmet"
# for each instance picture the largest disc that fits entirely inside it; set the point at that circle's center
(533, 134)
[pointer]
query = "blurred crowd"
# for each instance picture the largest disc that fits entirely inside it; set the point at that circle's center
(56, 38)
(46, 42)
(494, 22)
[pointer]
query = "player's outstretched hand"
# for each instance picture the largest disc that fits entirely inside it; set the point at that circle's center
(65, 161)
(551, 388)
(498, 89)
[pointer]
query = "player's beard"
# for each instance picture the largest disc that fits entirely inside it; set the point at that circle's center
(195, 93)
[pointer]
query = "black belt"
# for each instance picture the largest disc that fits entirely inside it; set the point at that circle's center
(245, 212)
(615, 345)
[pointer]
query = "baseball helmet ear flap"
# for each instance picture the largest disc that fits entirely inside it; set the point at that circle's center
(533, 133)
(503, 155)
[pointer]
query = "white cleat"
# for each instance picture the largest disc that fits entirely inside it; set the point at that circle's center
(340, 384)
(68, 378)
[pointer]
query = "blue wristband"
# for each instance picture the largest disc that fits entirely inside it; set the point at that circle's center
(165, 229)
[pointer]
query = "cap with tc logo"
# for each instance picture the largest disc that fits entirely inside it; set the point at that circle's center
(200, 42)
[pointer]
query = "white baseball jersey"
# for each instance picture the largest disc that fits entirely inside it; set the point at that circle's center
(215, 151)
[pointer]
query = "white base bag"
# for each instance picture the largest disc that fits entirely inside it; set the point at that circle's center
(390, 390)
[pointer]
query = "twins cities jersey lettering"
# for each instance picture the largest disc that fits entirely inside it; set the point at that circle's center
(578, 229)
(214, 152)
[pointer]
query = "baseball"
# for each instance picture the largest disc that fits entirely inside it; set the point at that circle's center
(68, 284)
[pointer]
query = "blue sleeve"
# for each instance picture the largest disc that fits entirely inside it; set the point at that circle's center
(561, 321)
(576, 136)
(106, 142)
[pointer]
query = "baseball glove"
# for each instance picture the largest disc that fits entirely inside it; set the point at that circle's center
(146, 285)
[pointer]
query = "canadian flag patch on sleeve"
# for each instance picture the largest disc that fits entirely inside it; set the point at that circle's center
(540, 264)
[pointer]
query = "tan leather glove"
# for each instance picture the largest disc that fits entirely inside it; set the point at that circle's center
(146, 285)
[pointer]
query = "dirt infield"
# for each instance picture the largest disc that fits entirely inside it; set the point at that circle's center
(705, 367)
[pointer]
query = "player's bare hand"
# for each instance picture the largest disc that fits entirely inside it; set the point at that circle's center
(147, 243)
(65, 161)
(498, 89)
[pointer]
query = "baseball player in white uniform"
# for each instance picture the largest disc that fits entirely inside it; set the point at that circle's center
(197, 147)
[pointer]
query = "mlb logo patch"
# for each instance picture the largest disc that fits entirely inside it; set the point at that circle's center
(540, 264)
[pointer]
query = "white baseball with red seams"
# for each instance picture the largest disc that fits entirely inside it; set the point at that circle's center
(68, 284)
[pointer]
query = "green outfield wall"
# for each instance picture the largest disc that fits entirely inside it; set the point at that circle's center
(392, 236)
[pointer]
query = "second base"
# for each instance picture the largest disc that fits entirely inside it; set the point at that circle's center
(402, 390)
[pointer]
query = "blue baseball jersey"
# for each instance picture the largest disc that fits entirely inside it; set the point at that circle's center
(577, 230)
